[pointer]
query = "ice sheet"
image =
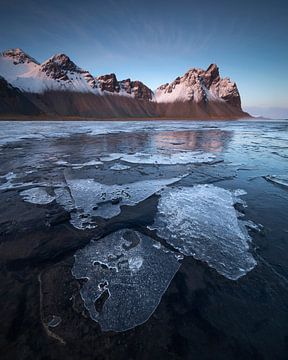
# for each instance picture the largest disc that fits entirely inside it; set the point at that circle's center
(201, 221)
(37, 195)
(96, 199)
(131, 271)
(187, 157)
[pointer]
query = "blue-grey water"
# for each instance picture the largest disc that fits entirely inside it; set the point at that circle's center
(212, 196)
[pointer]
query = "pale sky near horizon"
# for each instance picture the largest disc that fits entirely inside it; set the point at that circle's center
(156, 41)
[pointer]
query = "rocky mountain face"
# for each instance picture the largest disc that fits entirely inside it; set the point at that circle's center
(200, 86)
(61, 68)
(18, 56)
(58, 86)
(12, 101)
(125, 87)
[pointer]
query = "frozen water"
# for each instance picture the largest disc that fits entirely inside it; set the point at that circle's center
(8, 177)
(79, 165)
(37, 195)
(278, 179)
(64, 198)
(119, 167)
(201, 222)
(127, 270)
(187, 157)
(98, 199)
(111, 157)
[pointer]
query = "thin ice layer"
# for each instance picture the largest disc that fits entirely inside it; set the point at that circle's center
(98, 199)
(127, 270)
(201, 222)
(63, 198)
(119, 167)
(187, 157)
(278, 179)
(37, 195)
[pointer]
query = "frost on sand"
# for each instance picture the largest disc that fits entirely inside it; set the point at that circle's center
(201, 221)
(126, 278)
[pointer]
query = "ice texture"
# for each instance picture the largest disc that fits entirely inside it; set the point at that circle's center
(278, 179)
(130, 272)
(8, 184)
(119, 167)
(202, 222)
(79, 165)
(97, 199)
(185, 157)
(37, 195)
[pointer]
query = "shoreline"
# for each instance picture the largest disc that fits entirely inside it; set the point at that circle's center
(92, 118)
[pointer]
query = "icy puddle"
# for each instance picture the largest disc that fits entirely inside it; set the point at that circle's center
(127, 273)
(201, 221)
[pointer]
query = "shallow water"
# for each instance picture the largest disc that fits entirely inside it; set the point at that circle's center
(150, 177)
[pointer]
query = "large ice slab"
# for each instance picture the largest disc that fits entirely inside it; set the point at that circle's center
(202, 222)
(128, 269)
(96, 199)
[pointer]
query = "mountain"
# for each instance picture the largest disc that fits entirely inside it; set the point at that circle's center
(200, 92)
(59, 87)
(13, 101)
(137, 89)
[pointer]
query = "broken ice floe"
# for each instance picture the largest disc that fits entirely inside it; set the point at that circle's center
(8, 177)
(185, 157)
(79, 165)
(111, 157)
(37, 195)
(126, 278)
(119, 167)
(96, 199)
(202, 222)
(278, 179)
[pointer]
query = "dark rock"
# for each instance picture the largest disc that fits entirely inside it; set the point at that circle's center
(13, 101)
(58, 218)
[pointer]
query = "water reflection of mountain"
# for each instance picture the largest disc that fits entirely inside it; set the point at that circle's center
(206, 140)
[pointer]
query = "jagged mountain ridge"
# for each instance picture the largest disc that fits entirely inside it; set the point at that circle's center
(60, 73)
(58, 86)
(200, 86)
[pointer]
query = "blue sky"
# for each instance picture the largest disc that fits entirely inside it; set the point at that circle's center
(155, 41)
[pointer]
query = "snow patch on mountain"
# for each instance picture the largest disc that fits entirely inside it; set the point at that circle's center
(199, 86)
(60, 73)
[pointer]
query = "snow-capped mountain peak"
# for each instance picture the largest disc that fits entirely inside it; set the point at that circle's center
(60, 73)
(62, 69)
(18, 56)
(199, 86)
